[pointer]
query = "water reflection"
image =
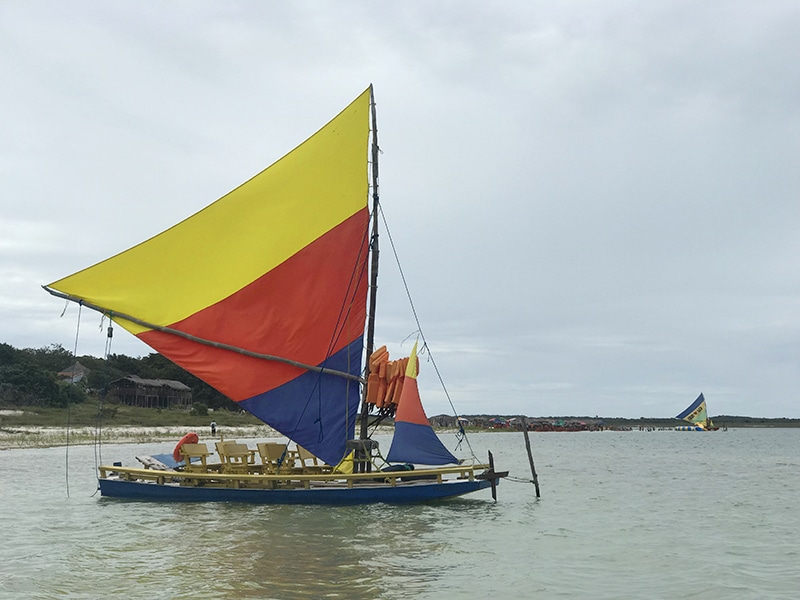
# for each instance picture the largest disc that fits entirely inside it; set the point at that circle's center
(292, 552)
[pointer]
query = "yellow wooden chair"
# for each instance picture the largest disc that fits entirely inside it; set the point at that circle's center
(309, 463)
(235, 457)
(273, 452)
(195, 451)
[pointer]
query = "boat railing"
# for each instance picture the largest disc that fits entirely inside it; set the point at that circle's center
(274, 480)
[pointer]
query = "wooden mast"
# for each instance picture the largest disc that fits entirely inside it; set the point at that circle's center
(373, 282)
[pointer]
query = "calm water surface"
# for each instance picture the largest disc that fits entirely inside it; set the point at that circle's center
(622, 515)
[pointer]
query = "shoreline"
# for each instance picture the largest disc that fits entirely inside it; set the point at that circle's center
(20, 437)
(26, 436)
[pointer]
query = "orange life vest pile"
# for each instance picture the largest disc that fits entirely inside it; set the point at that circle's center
(385, 381)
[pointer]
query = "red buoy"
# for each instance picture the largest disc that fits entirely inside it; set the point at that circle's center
(189, 438)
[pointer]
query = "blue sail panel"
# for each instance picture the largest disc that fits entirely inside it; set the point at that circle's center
(418, 444)
(315, 410)
(414, 440)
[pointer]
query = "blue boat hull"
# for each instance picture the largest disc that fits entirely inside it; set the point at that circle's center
(418, 492)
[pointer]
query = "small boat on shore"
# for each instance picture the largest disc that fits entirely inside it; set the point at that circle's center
(269, 296)
(697, 415)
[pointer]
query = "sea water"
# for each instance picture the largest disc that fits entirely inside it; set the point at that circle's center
(658, 514)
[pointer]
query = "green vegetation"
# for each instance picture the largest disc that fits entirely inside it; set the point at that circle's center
(29, 377)
(38, 405)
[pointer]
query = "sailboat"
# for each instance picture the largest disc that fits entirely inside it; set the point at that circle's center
(269, 296)
(697, 415)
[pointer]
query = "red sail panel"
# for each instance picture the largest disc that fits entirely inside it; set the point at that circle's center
(414, 439)
(317, 294)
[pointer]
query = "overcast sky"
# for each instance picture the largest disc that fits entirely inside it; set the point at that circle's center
(595, 204)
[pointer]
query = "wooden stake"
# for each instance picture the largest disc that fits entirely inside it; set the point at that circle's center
(530, 455)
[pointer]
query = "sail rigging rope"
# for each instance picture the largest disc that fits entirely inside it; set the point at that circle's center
(97, 457)
(421, 333)
(72, 382)
(98, 431)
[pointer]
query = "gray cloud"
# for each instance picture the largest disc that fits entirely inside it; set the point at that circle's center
(594, 204)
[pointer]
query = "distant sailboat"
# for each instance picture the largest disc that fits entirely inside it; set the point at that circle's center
(697, 415)
(264, 295)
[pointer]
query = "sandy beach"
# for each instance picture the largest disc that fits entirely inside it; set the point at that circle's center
(43, 437)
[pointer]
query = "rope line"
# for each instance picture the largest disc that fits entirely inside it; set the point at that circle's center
(72, 382)
(98, 429)
(425, 347)
(513, 479)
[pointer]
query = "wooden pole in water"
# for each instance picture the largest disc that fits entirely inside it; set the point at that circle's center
(530, 455)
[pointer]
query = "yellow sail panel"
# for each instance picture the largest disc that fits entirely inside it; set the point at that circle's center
(696, 412)
(215, 252)
(699, 415)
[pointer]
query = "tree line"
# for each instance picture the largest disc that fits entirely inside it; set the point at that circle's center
(29, 377)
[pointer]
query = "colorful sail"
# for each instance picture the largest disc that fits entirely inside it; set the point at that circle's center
(696, 413)
(414, 440)
(276, 267)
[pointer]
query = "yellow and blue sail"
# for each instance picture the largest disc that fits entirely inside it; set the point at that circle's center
(696, 413)
(414, 440)
(277, 267)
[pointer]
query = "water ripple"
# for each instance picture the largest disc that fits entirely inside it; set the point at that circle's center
(621, 515)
